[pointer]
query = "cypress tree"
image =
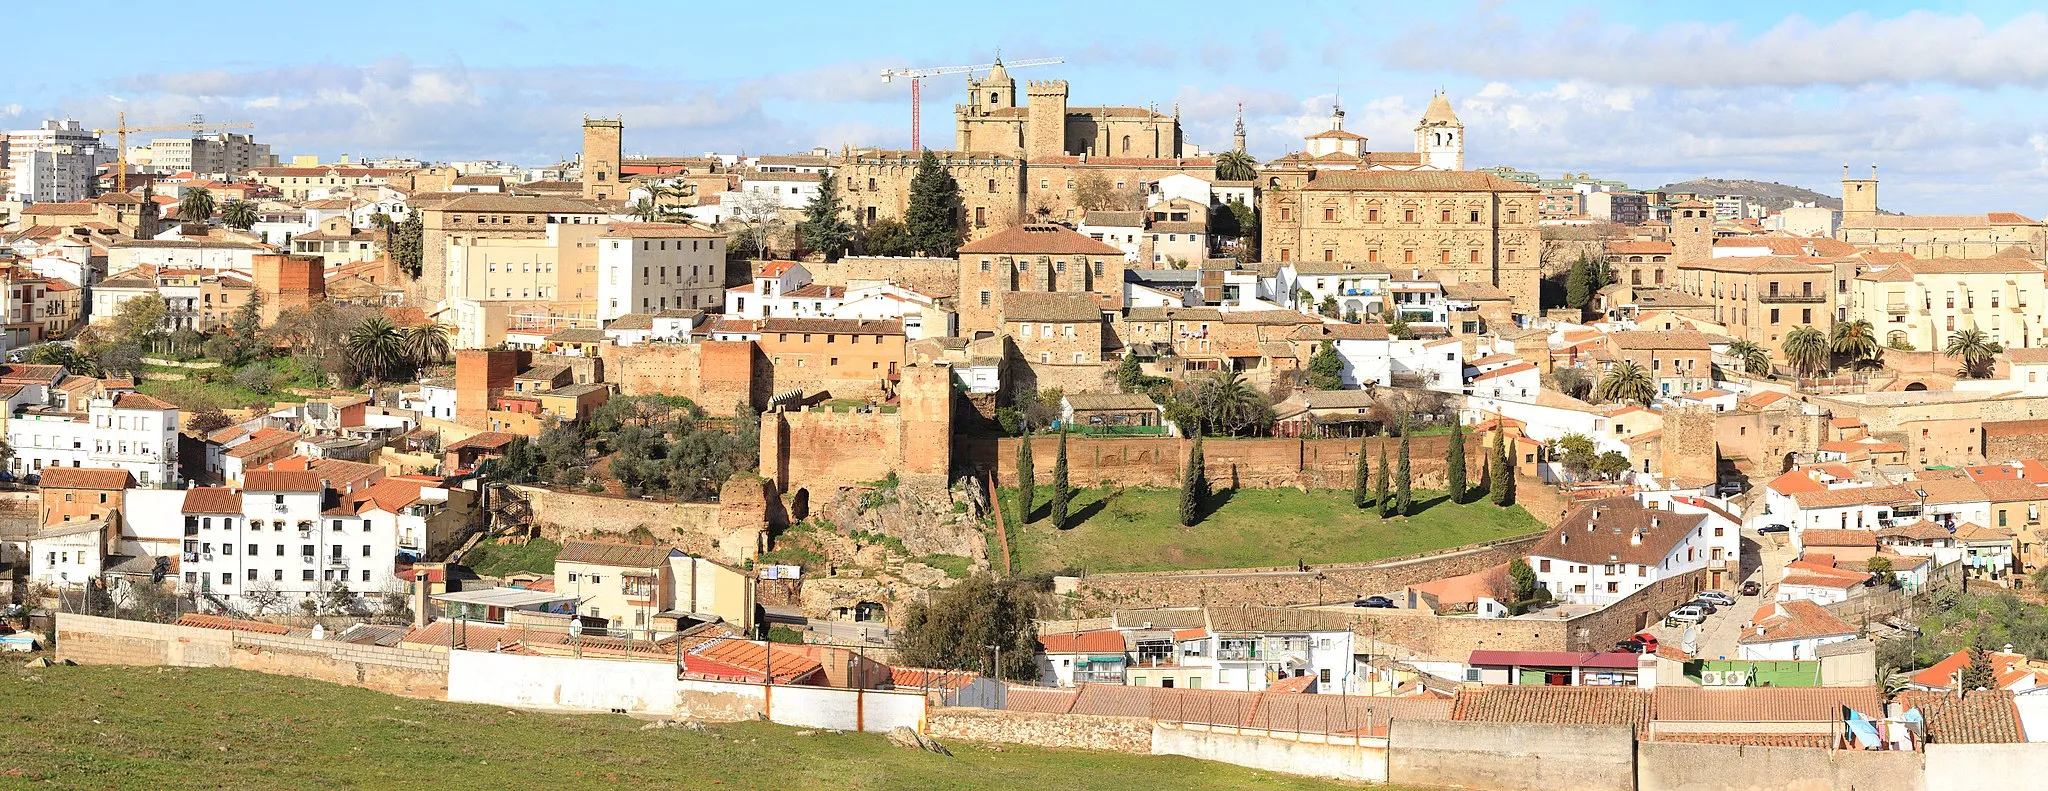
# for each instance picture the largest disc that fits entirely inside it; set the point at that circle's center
(1454, 464)
(1578, 284)
(1194, 486)
(1361, 478)
(1379, 488)
(1027, 481)
(1501, 489)
(934, 231)
(822, 229)
(1060, 491)
(1403, 497)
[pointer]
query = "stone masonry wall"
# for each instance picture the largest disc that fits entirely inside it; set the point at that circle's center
(696, 528)
(716, 374)
(1077, 731)
(1100, 593)
(1254, 463)
(107, 641)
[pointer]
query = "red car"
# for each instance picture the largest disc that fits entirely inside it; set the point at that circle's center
(1751, 588)
(1641, 643)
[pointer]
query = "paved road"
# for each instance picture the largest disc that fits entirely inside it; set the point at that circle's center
(1763, 559)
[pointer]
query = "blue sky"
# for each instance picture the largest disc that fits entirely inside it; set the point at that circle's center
(1945, 97)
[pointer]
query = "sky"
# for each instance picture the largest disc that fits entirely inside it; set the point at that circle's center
(1947, 99)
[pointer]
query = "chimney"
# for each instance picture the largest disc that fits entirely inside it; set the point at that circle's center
(1635, 538)
(419, 599)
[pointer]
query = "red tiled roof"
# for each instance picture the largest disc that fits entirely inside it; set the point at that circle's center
(1765, 704)
(85, 478)
(488, 440)
(1793, 620)
(1824, 537)
(231, 624)
(212, 500)
(752, 657)
(1554, 705)
(1981, 717)
(281, 481)
(928, 679)
(1038, 240)
(1105, 641)
(139, 401)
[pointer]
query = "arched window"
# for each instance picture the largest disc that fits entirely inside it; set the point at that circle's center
(1127, 144)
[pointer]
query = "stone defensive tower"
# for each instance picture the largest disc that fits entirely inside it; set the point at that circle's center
(603, 150)
(1859, 196)
(1046, 132)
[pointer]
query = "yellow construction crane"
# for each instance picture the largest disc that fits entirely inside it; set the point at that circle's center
(121, 130)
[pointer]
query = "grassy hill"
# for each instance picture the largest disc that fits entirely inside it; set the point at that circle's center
(97, 727)
(1139, 530)
(1769, 193)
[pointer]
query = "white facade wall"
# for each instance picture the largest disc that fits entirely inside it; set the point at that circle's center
(282, 542)
(652, 275)
(142, 441)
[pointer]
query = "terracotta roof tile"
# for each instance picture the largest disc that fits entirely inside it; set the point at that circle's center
(1554, 705)
(1793, 620)
(1037, 240)
(231, 624)
(86, 478)
(1604, 532)
(1981, 717)
(1104, 641)
(1765, 704)
(212, 500)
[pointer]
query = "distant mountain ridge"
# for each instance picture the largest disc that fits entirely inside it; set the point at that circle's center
(1770, 194)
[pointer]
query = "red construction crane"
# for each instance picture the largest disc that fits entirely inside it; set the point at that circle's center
(916, 88)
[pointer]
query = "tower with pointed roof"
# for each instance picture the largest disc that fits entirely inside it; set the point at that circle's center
(1237, 136)
(1440, 137)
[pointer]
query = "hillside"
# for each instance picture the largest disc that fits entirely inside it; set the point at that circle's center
(142, 727)
(1771, 194)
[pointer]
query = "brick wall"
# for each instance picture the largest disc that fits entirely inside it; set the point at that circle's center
(1075, 731)
(478, 371)
(819, 449)
(1254, 463)
(107, 641)
(717, 375)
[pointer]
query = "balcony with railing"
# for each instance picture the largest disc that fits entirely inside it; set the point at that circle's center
(1804, 297)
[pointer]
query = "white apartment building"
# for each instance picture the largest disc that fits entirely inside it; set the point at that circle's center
(792, 190)
(219, 154)
(652, 267)
(286, 532)
(1609, 549)
(123, 429)
(53, 163)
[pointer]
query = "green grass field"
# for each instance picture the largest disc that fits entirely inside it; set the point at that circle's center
(1139, 530)
(225, 394)
(127, 727)
(497, 559)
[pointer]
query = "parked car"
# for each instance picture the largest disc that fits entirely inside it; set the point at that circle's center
(1719, 598)
(1630, 647)
(1704, 605)
(1648, 640)
(1380, 602)
(1775, 529)
(1690, 613)
(1643, 643)
(1751, 588)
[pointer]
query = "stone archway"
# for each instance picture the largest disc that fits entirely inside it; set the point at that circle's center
(1916, 387)
(870, 612)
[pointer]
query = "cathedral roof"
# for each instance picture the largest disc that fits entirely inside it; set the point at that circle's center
(1440, 113)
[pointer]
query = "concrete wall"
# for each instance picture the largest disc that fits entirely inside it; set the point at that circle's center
(1679, 766)
(1076, 731)
(107, 641)
(1511, 757)
(550, 682)
(1985, 767)
(1352, 758)
(848, 709)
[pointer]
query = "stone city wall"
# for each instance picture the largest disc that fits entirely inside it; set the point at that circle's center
(1097, 594)
(696, 528)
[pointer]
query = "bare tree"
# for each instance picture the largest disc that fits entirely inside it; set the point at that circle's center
(263, 598)
(756, 217)
(1095, 192)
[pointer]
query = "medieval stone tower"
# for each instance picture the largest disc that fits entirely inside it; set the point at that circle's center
(1859, 196)
(1440, 136)
(1047, 132)
(603, 149)
(1692, 230)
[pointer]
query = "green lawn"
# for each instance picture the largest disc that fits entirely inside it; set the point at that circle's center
(127, 727)
(1138, 530)
(497, 559)
(225, 394)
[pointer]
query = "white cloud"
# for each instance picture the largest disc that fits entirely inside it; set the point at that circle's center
(1853, 50)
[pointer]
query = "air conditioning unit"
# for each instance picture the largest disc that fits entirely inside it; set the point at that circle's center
(1710, 678)
(305, 534)
(1735, 678)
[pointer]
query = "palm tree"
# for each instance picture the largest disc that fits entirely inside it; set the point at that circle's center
(376, 349)
(1236, 166)
(196, 206)
(426, 343)
(1227, 400)
(1626, 381)
(238, 214)
(1756, 361)
(1857, 341)
(645, 210)
(1807, 349)
(1977, 351)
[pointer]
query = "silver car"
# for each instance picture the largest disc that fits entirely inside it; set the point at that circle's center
(1687, 614)
(1718, 599)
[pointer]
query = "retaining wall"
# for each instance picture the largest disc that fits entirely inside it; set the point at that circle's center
(1984, 767)
(88, 640)
(1361, 759)
(1518, 757)
(1679, 766)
